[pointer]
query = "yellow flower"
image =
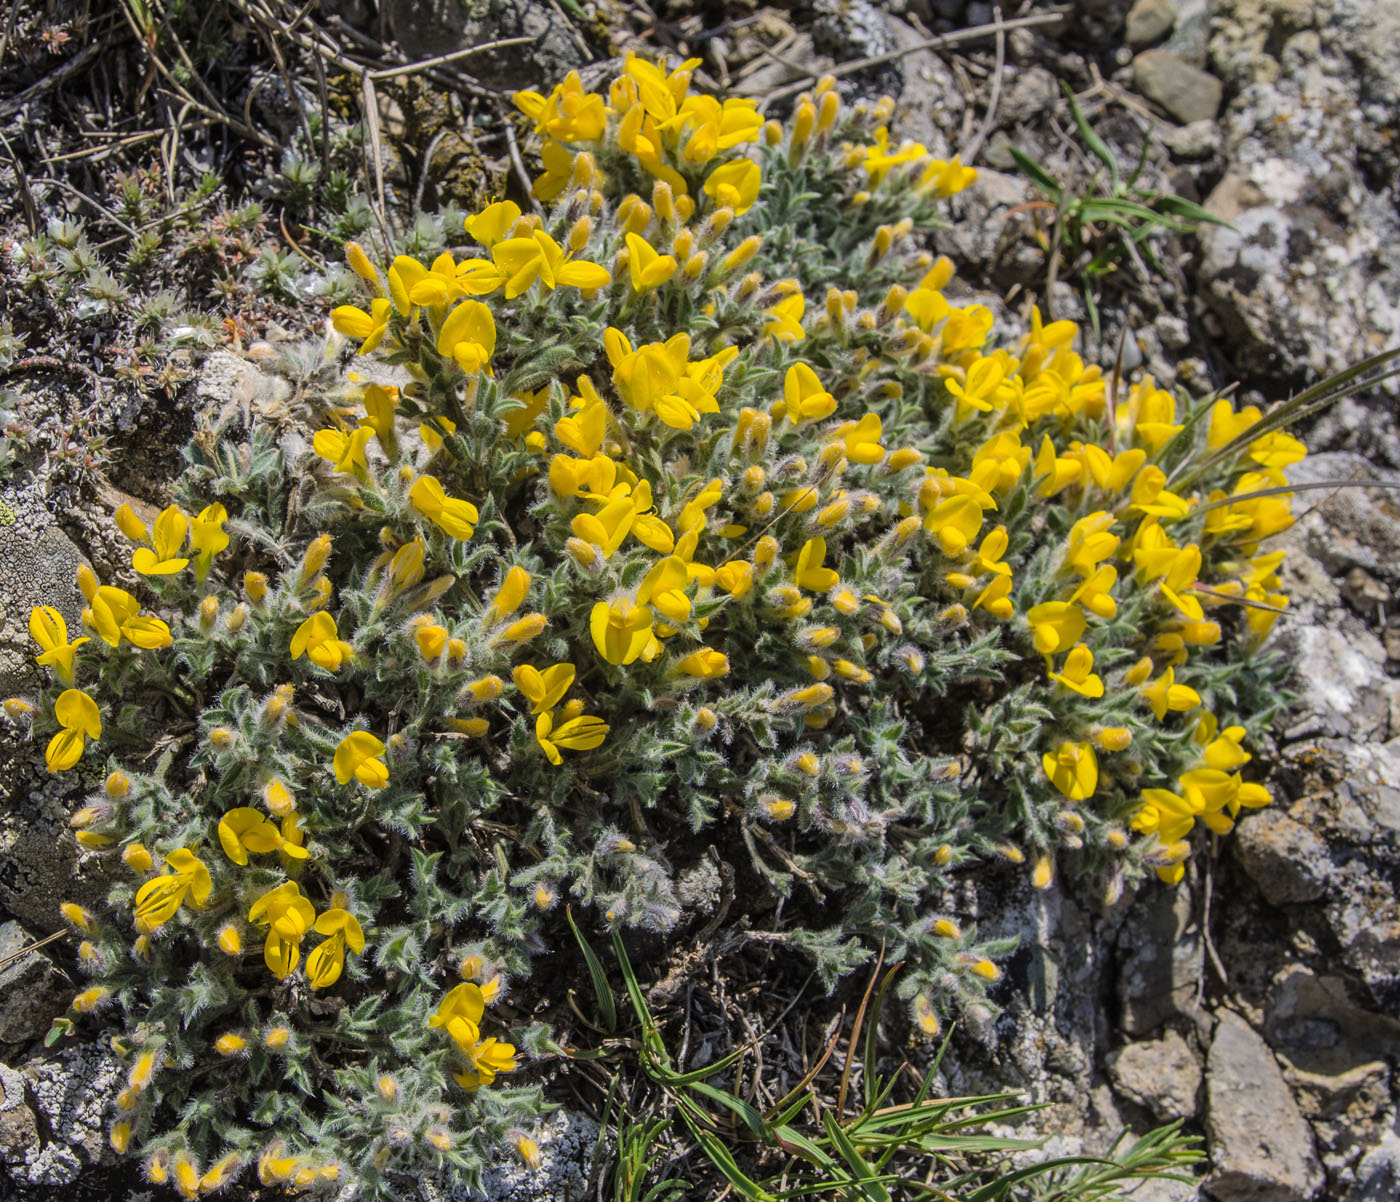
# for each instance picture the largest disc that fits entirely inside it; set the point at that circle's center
(608, 527)
(861, 439)
(207, 537)
(648, 269)
(163, 557)
(287, 916)
(804, 398)
(569, 113)
(978, 390)
(1056, 626)
(243, 829)
(77, 714)
(1078, 673)
(357, 757)
(1169, 816)
(488, 1057)
(345, 450)
(459, 1014)
(327, 959)
(734, 184)
(1165, 694)
(620, 629)
(544, 690)
(319, 640)
(158, 899)
(954, 521)
(230, 1044)
(582, 733)
(495, 221)
(457, 518)
(517, 263)
(116, 616)
(664, 588)
(515, 585)
(50, 631)
(785, 322)
(1073, 769)
(130, 524)
(468, 336)
(808, 570)
(705, 664)
(356, 323)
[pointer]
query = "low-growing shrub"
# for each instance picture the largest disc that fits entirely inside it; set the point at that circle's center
(698, 510)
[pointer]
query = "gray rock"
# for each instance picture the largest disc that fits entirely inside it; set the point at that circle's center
(67, 1098)
(1349, 1112)
(1260, 1144)
(1186, 92)
(1377, 1175)
(37, 566)
(30, 991)
(567, 1140)
(1193, 142)
(1149, 21)
(1364, 917)
(1160, 1074)
(1313, 1021)
(1160, 959)
(1287, 861)
(427, 28)
(40, 863)
(1348, 528)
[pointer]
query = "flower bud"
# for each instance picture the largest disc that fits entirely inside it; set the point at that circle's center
(208, 613)
(237, 618)
(137, 858)
(255, 587)
(87, 582)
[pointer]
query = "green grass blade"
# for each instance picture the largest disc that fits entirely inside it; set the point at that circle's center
(1096, 145)
(607, 1004)
(1037, 174)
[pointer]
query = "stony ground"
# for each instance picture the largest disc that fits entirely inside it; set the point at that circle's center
(1258, 1003)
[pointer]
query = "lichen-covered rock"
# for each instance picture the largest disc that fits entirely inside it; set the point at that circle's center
(567, 1140)
(1308, 191)
(1260, 1144)
(54, 1113)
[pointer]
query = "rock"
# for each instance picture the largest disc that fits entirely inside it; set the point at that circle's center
(30, 991)
(567, 1140)
(1377, 1175)
(37, 566)
(1160, 1074)
(1315, 1024)
(1186, 92)
(427, 28)
(1149, 21)
(1286, 860)
(1363, 915)
(1260, 1144)
(1193, 142)
(53, 1116)
(1348, 1111)
(1160, 959)
(1348, 528)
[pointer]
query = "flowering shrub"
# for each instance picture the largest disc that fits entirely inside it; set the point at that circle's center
(699, 510)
